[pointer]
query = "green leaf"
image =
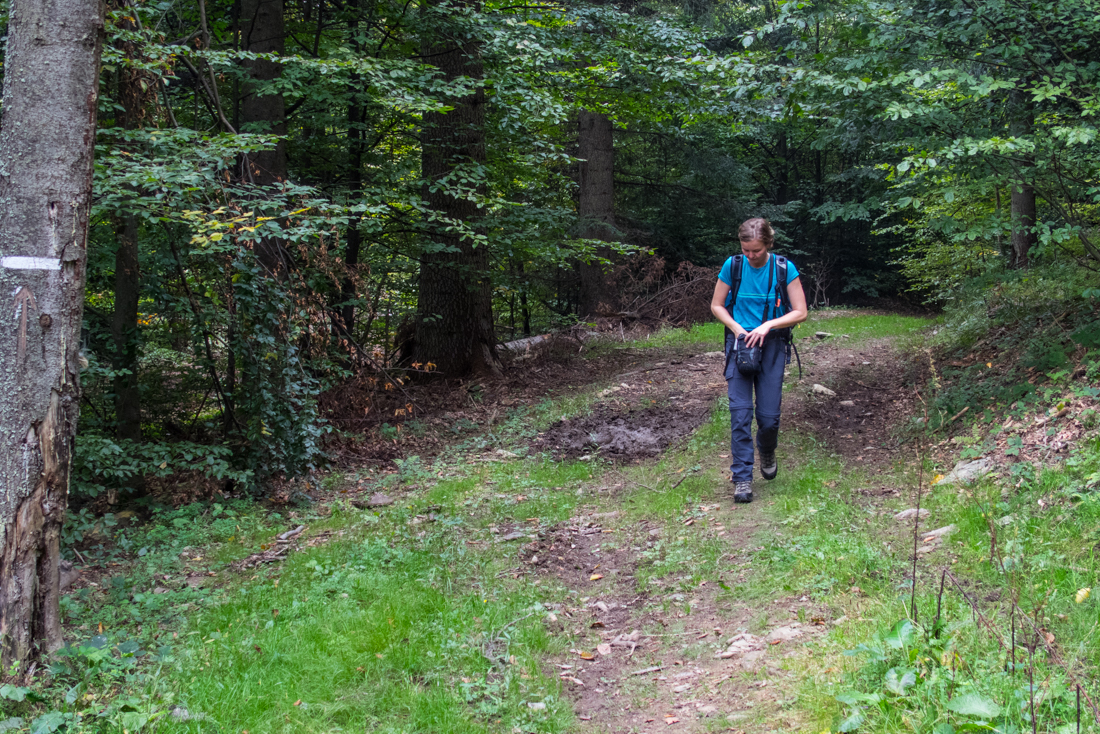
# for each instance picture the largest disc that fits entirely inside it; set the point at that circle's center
(48, 722)
(856, 697)
(898, 680)
(12, 693)
(852, 722)
(901, 635)
(972, 704)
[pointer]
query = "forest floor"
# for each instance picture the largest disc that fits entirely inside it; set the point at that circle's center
(570, 559)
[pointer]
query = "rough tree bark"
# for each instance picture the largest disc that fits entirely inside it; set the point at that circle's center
(454, 328)
(263, 30)
(132, 91)
(356, 113)
(1023, 224)
(46, 145)
(596, 207)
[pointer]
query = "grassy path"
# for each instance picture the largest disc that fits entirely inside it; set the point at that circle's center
(527, 594)
(509, 593)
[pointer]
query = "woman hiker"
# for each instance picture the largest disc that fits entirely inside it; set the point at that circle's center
(758, 311)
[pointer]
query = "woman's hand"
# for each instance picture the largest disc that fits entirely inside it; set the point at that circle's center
(756, 336)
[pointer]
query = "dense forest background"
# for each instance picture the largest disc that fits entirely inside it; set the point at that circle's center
(291, 197)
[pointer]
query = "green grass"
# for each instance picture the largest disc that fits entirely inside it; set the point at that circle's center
(831, 543)
(709, 335)
(861, 327)
(380, 632)
(405, 623)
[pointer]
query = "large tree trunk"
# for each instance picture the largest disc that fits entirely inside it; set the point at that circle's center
(596, 207)
(132, 92)
(124, 329)
(355, 176)
(263, 31)
(46, 146)
(454, 328)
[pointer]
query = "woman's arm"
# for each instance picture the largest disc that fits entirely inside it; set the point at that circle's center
(718, 308)
(796, 315)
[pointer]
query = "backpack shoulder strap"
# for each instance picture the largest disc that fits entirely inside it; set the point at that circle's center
(781, 283)
(735, 277)
(735, 285)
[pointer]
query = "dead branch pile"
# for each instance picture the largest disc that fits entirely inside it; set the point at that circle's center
(649, 293)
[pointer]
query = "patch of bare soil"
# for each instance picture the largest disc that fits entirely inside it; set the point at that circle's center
(574, 552)
(875, 390)
(382, 417)
(623, 436)
(689, 657)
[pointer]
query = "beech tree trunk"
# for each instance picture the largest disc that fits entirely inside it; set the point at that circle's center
(454, 327)
(596, 207)
(47, 140)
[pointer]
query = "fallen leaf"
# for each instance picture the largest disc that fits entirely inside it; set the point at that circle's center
(585, 655)
(595, 577)
(603, 648)
(670, 720)
(1082, 594)
(298, 702)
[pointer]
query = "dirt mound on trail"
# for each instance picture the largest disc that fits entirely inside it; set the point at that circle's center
(620, 436)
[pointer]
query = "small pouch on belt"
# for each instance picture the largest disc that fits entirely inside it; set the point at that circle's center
(747, 359)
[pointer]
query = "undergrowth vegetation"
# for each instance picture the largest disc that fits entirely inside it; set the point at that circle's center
(1003, 623)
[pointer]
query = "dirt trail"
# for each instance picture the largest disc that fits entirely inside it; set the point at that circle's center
(698, 659)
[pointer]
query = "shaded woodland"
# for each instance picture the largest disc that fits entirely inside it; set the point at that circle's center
(291, 197)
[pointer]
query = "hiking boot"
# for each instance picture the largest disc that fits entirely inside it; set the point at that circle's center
(742, 491)
(769, 467)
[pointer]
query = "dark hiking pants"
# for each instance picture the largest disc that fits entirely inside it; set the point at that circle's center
(768, 386)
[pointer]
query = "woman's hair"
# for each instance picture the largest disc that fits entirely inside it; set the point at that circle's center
(757, 228)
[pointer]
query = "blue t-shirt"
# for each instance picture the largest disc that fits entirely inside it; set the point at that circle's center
(753, 295)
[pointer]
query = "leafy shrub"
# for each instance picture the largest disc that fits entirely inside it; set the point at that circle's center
(101, 463)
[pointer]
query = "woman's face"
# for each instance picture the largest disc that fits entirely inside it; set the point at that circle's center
(756, 253)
